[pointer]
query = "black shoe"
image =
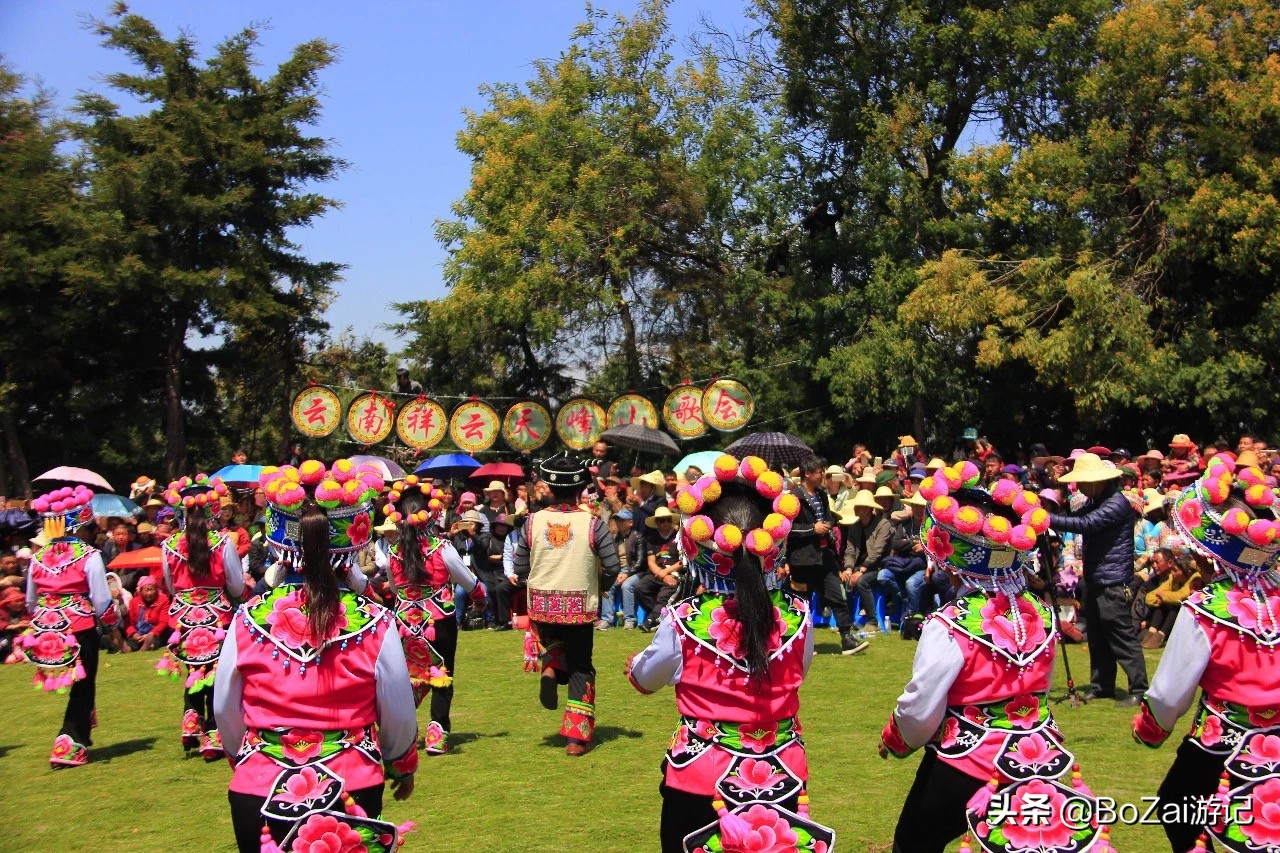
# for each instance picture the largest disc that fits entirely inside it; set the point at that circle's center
(851, 645)
(1088, 694)
(1130, 701)
(502, 627)
(548, 691)
(648, 625)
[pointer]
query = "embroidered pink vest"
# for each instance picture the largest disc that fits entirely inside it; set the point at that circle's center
(54, 577)
(180, 570)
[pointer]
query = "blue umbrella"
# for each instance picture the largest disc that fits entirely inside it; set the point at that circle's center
(448, 466)
(702, 460)
(240, 473)
(114, 506)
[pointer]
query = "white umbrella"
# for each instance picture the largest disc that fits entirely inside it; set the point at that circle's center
(67, 474)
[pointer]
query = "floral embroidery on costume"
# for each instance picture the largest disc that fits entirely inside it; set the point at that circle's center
(280, 618)
(711, 621)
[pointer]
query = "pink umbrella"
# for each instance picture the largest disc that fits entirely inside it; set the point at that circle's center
(507, 472)
(67, 474)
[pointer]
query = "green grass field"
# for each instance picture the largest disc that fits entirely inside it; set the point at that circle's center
(508, 785)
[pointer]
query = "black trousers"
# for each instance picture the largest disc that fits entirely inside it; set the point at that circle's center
(1162, 618)
(446, 643)
(683, 813)
(934, 812)
(652, 594)
(825, 580)
(498, 610)
(83, 694)
(1112, 640)
(1193, 776)
(576, 643)
(247, 819)
(503, 595)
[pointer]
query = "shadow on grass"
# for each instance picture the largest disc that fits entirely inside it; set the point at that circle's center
(457, 739)
(5, 750)
(603, 734)
(123, 748)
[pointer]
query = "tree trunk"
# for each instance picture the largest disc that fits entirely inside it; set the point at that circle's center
(918, 423)
(175, 453)
(17, 459)
(629, 350)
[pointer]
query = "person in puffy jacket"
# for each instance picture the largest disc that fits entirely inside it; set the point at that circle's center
(1106, 523)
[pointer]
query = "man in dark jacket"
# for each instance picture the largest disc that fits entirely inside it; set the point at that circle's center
(1106, 522)
(811, 551)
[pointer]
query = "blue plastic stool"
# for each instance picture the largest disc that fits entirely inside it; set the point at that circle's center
(641, 615)
(882, 617)
(815, 612)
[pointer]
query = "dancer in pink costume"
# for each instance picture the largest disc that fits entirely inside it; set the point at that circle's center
(203, 574)
(996, 764)
(312, 685)
(736, 648)
(66, 594)
(1224, 642)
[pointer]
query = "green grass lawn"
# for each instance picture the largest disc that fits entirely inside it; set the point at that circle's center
(508, 784)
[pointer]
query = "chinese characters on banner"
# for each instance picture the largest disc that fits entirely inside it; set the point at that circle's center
(370, 418)
(580, 422)
(683, 412)
(474, 426)
(317, 411)
(527, 426)
(422, 423)
(727, 405)
(632, 409)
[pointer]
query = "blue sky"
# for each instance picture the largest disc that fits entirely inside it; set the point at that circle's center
(393, 105)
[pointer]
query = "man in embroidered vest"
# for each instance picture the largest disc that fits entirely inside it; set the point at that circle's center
(566, 556)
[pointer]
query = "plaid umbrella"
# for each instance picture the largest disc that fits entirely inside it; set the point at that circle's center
(777, 448)
(642, 438)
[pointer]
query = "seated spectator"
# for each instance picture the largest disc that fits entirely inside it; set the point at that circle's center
(631, 558)
(1183, 457)
(146, 534)
(231, 526)
(662, 559)
(496, 504)
(148, 624)
(113, 637)
(489, 567)
(14, 619)
(1160, 565)
(11, 574)
(1166, 600)
(838, 487)
(865, 549)
(903, 573)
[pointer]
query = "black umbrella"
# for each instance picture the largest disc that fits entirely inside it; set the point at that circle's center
(777, 448)
(16, 521)
(642, 438)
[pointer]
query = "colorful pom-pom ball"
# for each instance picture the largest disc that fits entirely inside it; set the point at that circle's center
(710, 488)
(352, 490)
(787, 505)
(759, 542)
(951, 476)
(996, 528)
(970, 474)
(393, 496)
(1235, 521)
(268, 470)
(343, 470)
(1217, 489)
(1025, 502)
(725, 467)
(40, 504)
(752, 467)
(1252, 476)
(435, 505)
(1220, 461)
(932, 487)
(728, 537)
(310, 472)
(58, 506)
(968, 520)
(700, 528)
(219, 487)
(689, 500)
(769, 484)
(1262, 532)
(776, 525)
(373, 480)
(290, 473)
(328, 490)
(189, 501)
(1259, 495)
(944, 509)
(395, 517)
(1037, 518)
(1022, 537)
(1004, 492)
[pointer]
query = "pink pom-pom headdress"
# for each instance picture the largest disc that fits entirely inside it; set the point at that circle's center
(64, 510)
(711, 550)
(191, 493)
(422, 518)
(345, 491)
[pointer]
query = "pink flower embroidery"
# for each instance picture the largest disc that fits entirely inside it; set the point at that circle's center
(358, 530)
(1211, 731)
(997, 624)
(976, 715)
(1260, 821)
(1190, 513)
(434, 736)
(1049, 833)
(769, 833)
(725, 628)
(324, 833)
(754, 775)
(680, 742)
(938, 542)
(723, 563)
(288, 622)
(1242, 605)
(1263, 717)
(1023, 711)
(1034, 752)
(304, 787)
(200, 643)
(198, 595)
(706, 729)
(49, 646)
(758, 739)
(301, 745)
(1262, 750)
(62, 746)
(950, 729)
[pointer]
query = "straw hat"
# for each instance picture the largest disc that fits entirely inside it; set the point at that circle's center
(864, 499)
(906, 441)
(387, 526)
(867, 478)
(654, 478)
(884, 492)
(935, 464)
(1248, 459)
(1090, 468)
(496, 486)
(916, 500)
(835, 471)
(845, 515)
(660, 512)
(1181, 440)
(1154, 500)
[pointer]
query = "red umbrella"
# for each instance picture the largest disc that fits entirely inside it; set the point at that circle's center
(508, 472)
(143, 558)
